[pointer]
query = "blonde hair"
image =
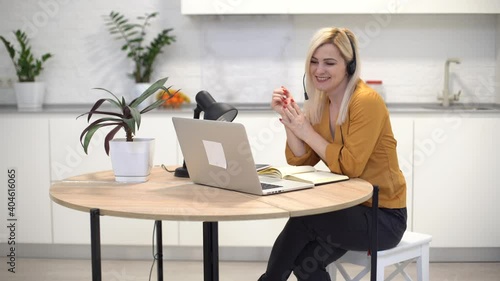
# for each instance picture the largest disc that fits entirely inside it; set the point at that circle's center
(346, 42)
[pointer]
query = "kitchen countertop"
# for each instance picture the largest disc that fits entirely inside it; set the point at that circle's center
(248, 107)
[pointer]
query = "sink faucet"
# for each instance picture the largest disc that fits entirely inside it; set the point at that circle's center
(446, 89)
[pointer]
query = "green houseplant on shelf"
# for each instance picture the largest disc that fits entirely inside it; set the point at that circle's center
(29, 93)
(131, 158)
(142, 54)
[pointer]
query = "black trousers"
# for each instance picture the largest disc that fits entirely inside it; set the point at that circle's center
(308, 244)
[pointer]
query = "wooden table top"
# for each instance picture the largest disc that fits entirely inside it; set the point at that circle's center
(165, 197)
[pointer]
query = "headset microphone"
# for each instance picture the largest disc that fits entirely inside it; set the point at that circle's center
(306, 97)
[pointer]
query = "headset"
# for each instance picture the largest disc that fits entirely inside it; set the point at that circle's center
(350, 67)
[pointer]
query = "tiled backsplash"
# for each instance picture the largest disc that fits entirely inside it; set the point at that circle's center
(243, 58)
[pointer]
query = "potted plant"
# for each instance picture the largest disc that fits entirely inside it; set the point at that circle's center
(29, 93)
(131, 158)
(134, 36)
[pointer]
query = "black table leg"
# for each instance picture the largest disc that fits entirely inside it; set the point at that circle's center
(374, 242)
(211, 251)
(159, 250)
(95, 244)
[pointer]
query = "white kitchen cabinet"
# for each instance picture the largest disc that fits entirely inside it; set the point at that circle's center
(402, 128)
(449, 161)
(456, 164)
(24, 146)
(228, 7)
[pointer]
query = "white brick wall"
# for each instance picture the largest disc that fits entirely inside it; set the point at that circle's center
(242, 58)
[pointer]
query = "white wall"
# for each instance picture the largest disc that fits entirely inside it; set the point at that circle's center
(497, 68)
(242, 58)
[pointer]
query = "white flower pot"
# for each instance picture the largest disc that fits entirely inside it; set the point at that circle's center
(132, 161)
(29, 95)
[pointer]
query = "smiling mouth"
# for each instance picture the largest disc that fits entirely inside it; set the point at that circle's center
(322, 79)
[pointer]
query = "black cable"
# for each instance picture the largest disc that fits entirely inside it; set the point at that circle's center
(155, 256)
(166, 169)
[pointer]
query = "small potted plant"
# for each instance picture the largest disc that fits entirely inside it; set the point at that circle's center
(131, 158)
(29, 93)
(134, 34)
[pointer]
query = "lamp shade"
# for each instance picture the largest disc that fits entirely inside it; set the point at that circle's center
(212, 111)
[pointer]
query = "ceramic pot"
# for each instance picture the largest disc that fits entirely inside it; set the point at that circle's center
(29, 95)
(132, 161)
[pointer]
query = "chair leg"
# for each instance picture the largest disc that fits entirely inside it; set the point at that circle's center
(423, 264)
(337, 266)
(374, 237)
(343, 272)
(332, 270)
(400, 269)
(380, 274)
(361, 274)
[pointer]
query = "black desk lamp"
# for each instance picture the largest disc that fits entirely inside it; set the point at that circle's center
(212, 111)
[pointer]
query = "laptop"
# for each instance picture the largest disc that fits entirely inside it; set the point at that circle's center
(218, 154)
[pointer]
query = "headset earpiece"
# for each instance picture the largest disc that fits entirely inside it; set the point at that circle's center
(351, 66)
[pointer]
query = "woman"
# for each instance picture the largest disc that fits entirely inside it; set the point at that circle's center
(346, 125)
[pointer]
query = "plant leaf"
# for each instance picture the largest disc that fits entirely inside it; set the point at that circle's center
(151, 90)
(130, 123)
(90, 133)
(9, 47)
(109, 137)
(96, 105)
(154, 105)
(98, 123)
(117, 99)
(136, 115)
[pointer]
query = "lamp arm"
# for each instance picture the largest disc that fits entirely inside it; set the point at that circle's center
(197, 112)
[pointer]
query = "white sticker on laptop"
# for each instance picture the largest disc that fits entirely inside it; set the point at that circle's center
(215, 154)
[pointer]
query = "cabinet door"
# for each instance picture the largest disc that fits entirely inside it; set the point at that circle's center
(24, 147)
(266, 136)
(456, 164)
(402, 128)
(200, 7)
(394, 7)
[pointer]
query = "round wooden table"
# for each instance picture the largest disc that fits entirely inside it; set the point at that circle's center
(165, 197)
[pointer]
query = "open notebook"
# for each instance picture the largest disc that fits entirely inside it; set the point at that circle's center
(302, 173)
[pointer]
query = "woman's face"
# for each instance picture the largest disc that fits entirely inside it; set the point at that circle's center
(328, 69)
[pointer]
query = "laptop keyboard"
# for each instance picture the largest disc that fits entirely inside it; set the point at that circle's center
(269, 186)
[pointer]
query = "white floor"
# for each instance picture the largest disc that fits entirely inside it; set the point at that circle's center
(72, 270)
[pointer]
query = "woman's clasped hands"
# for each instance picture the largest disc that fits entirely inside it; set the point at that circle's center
(291, 115)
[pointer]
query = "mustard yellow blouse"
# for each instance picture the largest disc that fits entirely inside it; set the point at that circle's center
(363, 147)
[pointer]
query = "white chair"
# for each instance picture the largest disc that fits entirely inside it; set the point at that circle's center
(413, 246)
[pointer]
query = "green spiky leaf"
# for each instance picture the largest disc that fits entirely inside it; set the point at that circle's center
(128, 118)
(133, 34)
(26, 66)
